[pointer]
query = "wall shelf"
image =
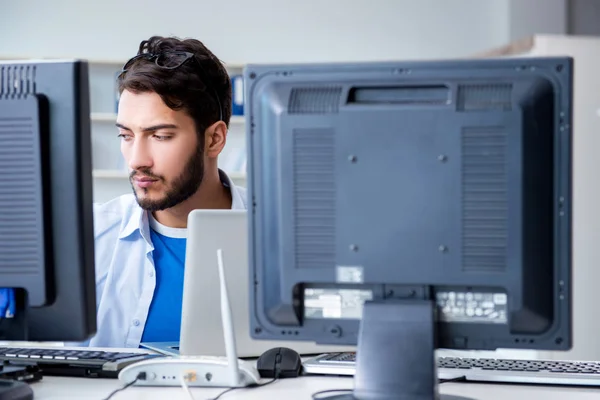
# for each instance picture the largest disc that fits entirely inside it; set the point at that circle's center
(120, 63)
(111, 117)
(103, 117)
(110, 174)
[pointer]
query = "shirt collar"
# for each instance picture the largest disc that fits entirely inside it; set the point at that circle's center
(138, 219)
(237, 202)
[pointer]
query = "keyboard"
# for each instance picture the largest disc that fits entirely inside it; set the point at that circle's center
(547, 372)
(65, 362)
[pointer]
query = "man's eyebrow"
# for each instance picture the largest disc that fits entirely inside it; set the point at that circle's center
(152, 128)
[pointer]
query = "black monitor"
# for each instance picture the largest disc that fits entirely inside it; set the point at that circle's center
(46, 220)
(408, 206)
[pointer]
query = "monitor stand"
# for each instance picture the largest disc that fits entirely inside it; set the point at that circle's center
(395, 357)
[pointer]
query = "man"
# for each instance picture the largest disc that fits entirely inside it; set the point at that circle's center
(174, 110)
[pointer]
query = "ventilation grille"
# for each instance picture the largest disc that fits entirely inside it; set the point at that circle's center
(19, 199)
(484, 196)
(314, 198)
(17, 81)
(314, 100)
(485, 97)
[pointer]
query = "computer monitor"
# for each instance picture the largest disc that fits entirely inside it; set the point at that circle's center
(409, 206)
(46, 220)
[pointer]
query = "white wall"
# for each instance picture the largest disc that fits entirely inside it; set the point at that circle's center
(240, 31)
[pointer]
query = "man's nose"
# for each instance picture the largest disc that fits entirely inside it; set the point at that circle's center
(139, 157)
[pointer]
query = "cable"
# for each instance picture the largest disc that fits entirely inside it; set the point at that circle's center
(140, 377)
(222, 393)
(183, 379)
(315, 396)
(186, 389)
(254, 385)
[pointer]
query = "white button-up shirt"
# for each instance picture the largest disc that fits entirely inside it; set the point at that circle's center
(125, 275)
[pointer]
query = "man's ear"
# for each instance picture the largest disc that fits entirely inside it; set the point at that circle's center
(215, 138)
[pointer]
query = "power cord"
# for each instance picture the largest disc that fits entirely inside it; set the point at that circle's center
(254, 385)
(183, 379)
(140, 377)
(316, 395)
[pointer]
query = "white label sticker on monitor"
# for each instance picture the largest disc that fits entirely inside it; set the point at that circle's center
(349, 274)
(335, 303)
(473, 307)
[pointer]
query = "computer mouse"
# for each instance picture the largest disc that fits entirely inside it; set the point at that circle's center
(279, 362)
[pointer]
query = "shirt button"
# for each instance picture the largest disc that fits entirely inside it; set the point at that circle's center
(151, 274)
(136, 322)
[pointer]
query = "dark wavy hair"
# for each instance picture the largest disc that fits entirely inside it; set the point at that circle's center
(199, 86)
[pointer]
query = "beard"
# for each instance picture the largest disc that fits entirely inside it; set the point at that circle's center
(178, 190)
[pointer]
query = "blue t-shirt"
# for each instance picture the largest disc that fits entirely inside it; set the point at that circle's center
(164, 317)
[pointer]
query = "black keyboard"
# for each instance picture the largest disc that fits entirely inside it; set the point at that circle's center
(66, 362)
(586, 373)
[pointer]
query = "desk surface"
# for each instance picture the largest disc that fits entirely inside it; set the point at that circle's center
(51, 388)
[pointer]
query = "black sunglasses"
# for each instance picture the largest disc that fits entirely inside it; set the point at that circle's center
(167, 60)
(173, 60)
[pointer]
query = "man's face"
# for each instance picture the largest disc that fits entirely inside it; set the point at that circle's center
(162, 149)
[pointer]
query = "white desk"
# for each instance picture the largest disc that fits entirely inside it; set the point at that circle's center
(289, 389)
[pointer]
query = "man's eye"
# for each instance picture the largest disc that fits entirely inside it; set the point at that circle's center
(124, 136)
(160, 137)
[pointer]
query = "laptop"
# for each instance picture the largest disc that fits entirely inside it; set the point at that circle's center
(201, 325)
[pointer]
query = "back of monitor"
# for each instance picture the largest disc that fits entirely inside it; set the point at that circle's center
(201, 324)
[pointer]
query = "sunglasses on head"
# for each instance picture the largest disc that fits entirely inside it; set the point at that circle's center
(173, 60)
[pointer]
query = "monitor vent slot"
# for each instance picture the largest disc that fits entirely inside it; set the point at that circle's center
(492, 97)
(317, 100)
(19, 198)
(17, 81)
(314, 197)
(484, 199)
(400, 95)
